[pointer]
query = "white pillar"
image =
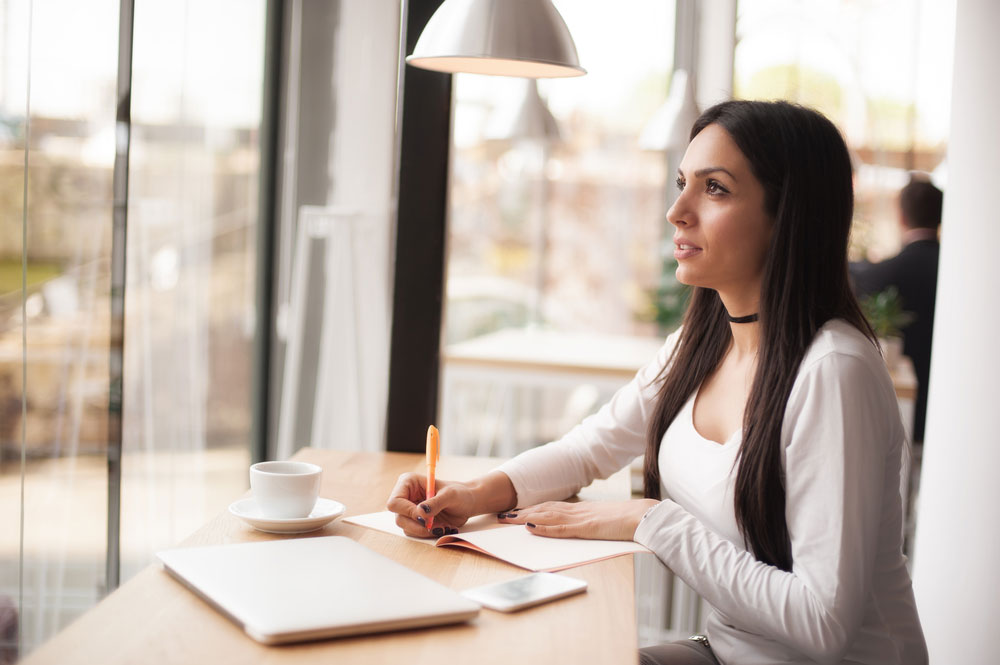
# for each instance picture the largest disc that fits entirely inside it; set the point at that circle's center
(716, 51)
(957, 549)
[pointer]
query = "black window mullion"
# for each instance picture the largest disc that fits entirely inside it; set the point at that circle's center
(420, 246)
(116, 350)
(267, 221)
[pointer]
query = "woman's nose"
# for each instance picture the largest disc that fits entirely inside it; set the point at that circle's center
(677, 214)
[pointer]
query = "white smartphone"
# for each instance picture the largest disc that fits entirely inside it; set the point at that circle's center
(526, 591)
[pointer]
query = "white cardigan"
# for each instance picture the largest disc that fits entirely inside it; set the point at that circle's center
(849, 598)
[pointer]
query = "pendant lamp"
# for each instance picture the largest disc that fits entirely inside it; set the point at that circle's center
(525, 117)
(670, 125)
(526, 38)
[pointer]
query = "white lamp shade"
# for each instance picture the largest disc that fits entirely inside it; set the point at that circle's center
(527, 117)
(526, 38)
(670, 125)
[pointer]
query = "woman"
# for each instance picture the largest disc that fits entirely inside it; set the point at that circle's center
(771, 433)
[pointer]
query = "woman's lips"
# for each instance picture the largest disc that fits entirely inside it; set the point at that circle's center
(685, 251)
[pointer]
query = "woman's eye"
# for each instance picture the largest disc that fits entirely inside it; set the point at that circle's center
(680, 184)
(714, 187)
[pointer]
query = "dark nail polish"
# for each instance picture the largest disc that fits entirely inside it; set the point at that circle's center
(500, 516)
(424, 507)
(422, 521)
(438, 531)
(450, 531)
(530, 525)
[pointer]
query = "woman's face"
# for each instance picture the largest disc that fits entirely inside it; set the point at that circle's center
(721, 229)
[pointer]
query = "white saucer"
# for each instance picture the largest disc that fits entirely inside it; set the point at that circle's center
(325, 511)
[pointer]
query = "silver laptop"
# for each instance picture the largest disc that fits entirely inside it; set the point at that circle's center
(311, 588)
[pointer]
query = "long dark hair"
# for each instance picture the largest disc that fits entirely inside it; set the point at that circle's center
(803, 164)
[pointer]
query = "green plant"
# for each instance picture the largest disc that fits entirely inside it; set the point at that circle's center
(884, 311)
(670, 298)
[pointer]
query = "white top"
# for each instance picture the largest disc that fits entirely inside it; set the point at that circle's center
(708, 492)
(849, 598)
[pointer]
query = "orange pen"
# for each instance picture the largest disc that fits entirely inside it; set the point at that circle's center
(433, 454)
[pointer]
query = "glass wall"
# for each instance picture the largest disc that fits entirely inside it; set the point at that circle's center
(189, 291)
(554, 257)
(57, 104)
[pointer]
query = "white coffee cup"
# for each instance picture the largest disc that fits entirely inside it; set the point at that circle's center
(285, 490)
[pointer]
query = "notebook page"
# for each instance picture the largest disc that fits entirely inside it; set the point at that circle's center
(386, 521)
(513, 543)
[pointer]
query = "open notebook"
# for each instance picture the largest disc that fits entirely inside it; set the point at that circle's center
(512, 543)
(310, 588)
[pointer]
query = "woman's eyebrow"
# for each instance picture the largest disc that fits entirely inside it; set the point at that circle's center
(701, 173)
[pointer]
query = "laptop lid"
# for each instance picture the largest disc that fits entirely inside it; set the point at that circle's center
(311, 588)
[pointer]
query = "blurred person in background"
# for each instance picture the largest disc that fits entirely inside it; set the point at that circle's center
(913, 272)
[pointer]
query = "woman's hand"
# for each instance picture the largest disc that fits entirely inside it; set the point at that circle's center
(598, 520)
(451, 506)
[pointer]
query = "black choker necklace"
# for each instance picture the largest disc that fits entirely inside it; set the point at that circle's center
(749, 318)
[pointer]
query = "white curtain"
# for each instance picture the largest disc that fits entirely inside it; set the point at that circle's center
(193, 178)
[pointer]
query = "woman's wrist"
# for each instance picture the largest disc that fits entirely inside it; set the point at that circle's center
(492, 493)
(645, 506)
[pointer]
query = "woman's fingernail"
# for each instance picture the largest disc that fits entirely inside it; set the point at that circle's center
(450, 531)
(511, 515)
(530, 525)
(422, 521)
(424, 507)
(500, 516)
(438, 531)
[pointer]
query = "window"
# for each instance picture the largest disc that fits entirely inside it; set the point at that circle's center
(880, 70)
(554, 252)
(196, 100)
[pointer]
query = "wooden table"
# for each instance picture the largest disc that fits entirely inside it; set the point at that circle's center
(553, 353)
(153, 619)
